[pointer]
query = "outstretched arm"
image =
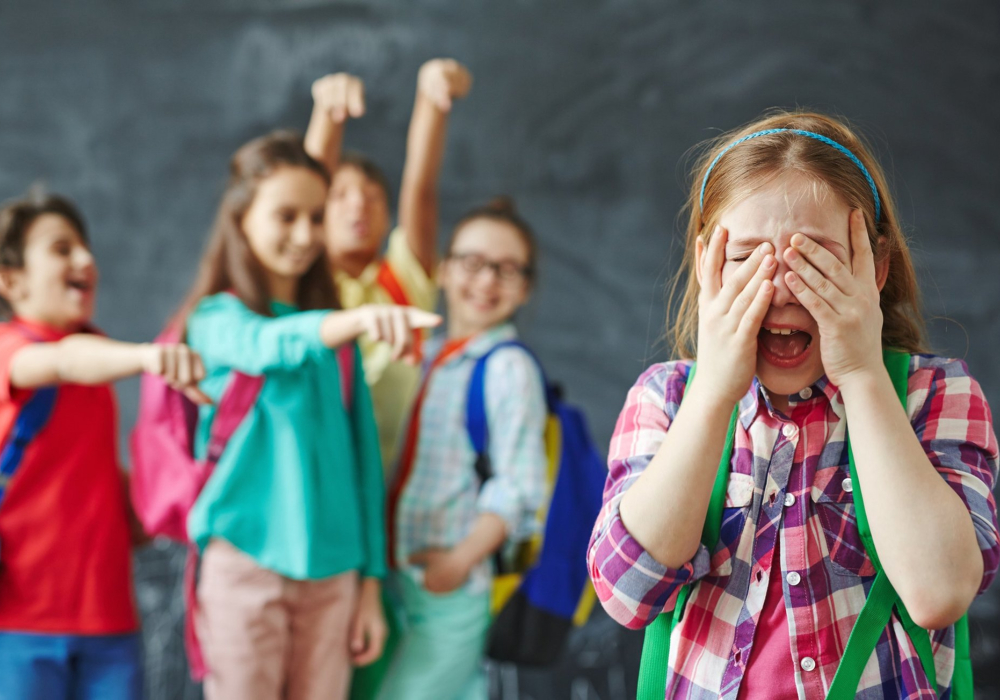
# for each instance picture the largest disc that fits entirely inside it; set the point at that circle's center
(83, 358)
(439, 83)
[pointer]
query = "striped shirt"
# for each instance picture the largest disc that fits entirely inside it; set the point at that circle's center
(789, 478)
(442, 498)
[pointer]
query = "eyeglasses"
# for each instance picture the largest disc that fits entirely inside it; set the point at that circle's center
(505, 270)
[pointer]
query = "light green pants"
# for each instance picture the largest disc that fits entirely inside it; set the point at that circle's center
(441, 653)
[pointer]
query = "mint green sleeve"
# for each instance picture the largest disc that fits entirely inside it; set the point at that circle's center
(228, 334)
(370, 475)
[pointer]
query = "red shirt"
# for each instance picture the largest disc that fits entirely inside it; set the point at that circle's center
(65, 549)
(771, 671)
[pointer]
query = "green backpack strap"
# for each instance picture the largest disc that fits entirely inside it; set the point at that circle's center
(656, 642)
(961, 680)
(882, 597)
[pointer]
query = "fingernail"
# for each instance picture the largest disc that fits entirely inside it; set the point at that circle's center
(798, 240)
(768, 261)
(766, 248)
(792, 279)
(791, 255)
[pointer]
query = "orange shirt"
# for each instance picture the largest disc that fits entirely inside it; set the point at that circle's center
(65, 549)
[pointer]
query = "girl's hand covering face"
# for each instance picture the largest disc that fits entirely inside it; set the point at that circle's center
(730, 316)
(844, 302)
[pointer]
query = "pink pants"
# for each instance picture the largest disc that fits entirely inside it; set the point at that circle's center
(267, 637)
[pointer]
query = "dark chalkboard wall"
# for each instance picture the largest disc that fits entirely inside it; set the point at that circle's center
(581, 110)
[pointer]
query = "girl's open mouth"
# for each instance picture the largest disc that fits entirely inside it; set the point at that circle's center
(784, 347)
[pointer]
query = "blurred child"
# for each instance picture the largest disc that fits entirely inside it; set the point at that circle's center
(291, 521)
(68, 621)
(448, 522)
(358, 221)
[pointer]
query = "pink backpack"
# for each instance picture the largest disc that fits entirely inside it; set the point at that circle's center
(166, 478)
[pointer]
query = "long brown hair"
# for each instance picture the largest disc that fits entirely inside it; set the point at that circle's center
(228, 263)
(758, 161)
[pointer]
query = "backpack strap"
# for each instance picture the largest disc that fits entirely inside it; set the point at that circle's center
(882, 597)
(240, 396)
(242, 392)
(345, 361)
(476, 423)
(388, 280)
(656, 642)
(961, 678)
(238, 399)
(33, 416)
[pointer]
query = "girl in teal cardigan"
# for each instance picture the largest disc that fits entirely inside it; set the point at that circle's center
(291, 522)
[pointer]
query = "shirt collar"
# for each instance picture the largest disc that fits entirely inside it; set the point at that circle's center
(479, 344)
(367, 278)
(46, 333)
(756, 399)
(280, 308)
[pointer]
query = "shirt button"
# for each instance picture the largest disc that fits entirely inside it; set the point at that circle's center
(789, 500)
(793, 578)
(806, 393)
(808, 664)
(789, 431)
(847, 485)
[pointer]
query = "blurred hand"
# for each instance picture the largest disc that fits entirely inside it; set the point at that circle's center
(394, 325)
(368, 628)
(341, 95)
(444, 569)
(443, 80)
(179, 366)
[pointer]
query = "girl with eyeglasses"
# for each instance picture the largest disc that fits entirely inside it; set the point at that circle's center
(446, 524)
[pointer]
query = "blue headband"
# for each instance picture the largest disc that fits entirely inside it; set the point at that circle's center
(800, 132)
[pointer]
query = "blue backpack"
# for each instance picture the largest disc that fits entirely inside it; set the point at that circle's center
(537, 599)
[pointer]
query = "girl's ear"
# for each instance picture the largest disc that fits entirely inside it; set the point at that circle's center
(699, 254)
(881, 272)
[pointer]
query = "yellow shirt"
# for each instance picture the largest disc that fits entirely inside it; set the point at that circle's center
(393, 384)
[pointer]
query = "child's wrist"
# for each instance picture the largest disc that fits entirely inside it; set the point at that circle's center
(711, 398)
(862, 383)
(340, 327)
(149, 356)
(465, 557)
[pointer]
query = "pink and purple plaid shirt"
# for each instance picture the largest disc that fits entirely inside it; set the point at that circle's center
(789, 478)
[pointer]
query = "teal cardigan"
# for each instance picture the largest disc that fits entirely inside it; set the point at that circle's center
(299, 488)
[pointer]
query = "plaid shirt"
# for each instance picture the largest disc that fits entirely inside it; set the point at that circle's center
(442, 498)
(789, 475)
